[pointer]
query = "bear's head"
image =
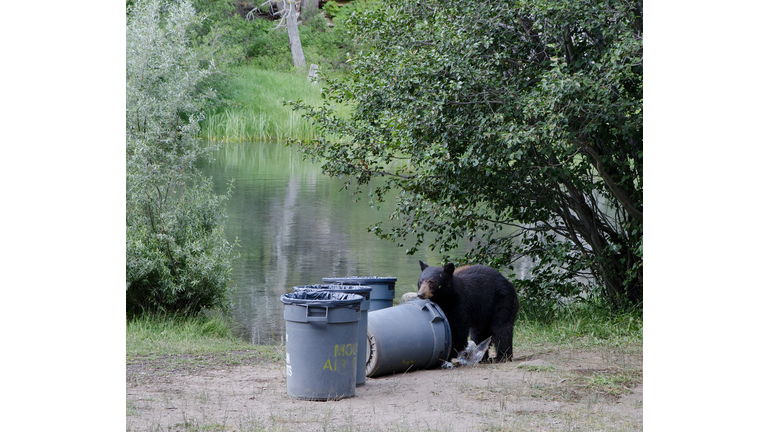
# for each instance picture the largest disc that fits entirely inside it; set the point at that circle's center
(435, 281)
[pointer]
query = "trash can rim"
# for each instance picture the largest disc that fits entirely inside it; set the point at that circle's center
(335, 287)
(361, 279)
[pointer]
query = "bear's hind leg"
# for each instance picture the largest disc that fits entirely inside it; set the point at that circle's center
(502, 339)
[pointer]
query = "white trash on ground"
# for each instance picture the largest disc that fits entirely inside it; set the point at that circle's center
(471, 355)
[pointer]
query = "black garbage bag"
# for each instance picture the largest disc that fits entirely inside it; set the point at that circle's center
(322, 298)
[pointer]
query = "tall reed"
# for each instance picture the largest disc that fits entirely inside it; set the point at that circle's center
(259, 112)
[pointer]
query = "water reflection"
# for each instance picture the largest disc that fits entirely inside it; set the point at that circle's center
(295, 227)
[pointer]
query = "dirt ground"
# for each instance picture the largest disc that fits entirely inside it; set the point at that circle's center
(555, 390)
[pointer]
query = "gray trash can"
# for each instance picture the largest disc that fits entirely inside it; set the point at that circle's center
(383, 288)
(321, 344)
(362, 328)
(410, 336)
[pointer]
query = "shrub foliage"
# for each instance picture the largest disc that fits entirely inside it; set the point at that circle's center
(177, 258)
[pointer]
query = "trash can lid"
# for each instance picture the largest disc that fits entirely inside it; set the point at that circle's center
(322, 298)
(355, 289)
(361, 279)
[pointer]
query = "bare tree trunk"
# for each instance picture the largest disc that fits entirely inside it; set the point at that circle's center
(309, 8)
(293, 36)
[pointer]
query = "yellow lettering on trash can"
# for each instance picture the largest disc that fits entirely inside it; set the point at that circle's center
(339, 352)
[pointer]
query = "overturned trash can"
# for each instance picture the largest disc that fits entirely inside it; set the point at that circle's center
(321, 330)
(362, 328)
(383, 288)
(410, 336)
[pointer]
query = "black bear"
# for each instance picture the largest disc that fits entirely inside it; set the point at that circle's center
(477, 301)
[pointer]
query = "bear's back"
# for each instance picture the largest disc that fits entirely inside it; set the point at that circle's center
(479, 272)
(481, 281)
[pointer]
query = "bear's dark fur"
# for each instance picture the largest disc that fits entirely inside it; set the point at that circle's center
(477, 300)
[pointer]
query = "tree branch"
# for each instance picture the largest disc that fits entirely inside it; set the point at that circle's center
(617, 191)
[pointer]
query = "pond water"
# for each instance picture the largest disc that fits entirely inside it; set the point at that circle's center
(295, 227)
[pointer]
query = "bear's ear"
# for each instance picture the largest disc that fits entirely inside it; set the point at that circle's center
(423, 266)
(448, 268)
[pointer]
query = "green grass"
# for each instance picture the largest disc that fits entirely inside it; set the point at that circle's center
(169, 335)
(579, 327)
(582, 326)
(258, 113)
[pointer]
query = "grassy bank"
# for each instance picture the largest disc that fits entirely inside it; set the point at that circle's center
(259, 113)
(581, 326)
(160, 336)
(258, 88)
(577, 328)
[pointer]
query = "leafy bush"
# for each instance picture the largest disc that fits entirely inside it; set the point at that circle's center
(331, 9)
(267, 47)
(177, 258)
(179, 261)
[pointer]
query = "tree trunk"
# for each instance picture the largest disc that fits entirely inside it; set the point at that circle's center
(309, 8)
(293, 36)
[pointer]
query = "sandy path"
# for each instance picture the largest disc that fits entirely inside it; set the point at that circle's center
(572, 390)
